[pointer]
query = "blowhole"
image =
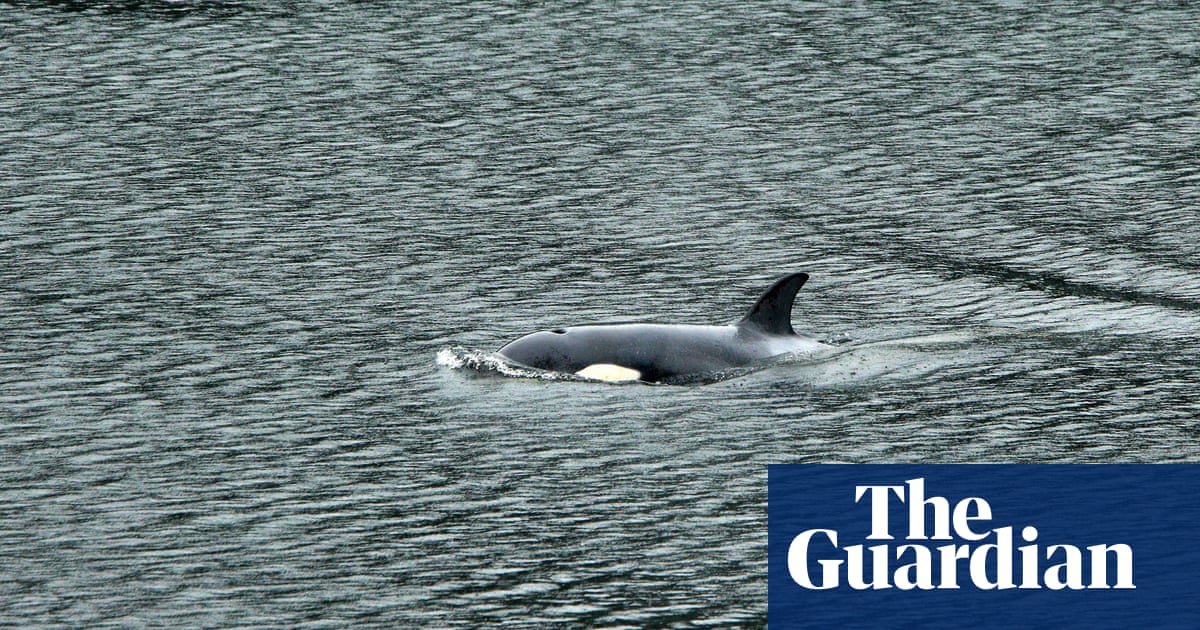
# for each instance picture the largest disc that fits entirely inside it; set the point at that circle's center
(559, 331)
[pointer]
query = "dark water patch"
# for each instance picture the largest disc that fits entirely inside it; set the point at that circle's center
(161, 9)
(1046, 282)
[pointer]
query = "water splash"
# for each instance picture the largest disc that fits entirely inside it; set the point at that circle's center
(489, 363)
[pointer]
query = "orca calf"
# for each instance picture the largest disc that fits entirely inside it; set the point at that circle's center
(656, 353)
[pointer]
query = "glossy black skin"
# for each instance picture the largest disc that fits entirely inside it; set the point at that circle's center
(660, 352)
(663, 352)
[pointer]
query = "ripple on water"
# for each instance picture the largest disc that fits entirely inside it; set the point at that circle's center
(256, 257)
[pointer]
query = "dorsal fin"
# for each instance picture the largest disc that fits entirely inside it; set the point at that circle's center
(772, 313)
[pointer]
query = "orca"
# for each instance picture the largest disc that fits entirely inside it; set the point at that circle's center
(669, 353)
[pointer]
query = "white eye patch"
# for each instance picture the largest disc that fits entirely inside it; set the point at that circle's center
(609, 372)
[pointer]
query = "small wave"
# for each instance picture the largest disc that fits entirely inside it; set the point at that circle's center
(935, 340)
(479, 362)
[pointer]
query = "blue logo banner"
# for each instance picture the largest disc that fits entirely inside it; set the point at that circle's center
(984, 546)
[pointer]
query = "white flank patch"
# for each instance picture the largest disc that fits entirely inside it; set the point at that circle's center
(609, 372)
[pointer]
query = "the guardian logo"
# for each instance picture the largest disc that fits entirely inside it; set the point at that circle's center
(949, 547)
(983, 546)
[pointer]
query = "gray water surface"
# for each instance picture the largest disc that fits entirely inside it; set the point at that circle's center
(250, 251)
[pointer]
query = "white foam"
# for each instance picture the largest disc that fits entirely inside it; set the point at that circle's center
(458, 358)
